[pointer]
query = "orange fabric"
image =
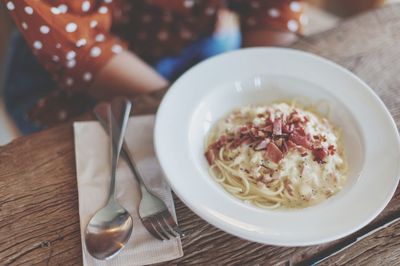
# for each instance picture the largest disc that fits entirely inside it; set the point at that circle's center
(65, 39)
(74, 39)
(283, 15)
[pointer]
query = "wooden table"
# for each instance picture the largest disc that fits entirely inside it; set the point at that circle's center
(39, 221)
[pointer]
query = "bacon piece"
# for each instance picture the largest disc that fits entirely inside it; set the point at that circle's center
(253, 132)
(299, 130)
(273, 153)
(294, 117)
(239, 141)
(287, 129)
(319, 154)
(277, 127)
(262, 145)
(261, 134)
(216, 145)
(244, 130)
(210, 156)
(331, 149)
(268, 128)
(223, 140)
(299, 139)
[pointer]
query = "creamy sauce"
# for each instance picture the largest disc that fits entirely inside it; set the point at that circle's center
(306, 181)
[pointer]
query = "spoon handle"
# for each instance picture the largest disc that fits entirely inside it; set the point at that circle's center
(118, 117)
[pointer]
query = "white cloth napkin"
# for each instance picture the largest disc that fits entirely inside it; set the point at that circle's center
(92, 153)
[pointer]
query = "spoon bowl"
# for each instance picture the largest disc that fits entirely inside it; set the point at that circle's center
(108, 231)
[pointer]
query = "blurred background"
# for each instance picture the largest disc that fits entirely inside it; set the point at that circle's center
(323, 15)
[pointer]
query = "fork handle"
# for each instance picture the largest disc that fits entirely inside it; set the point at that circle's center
(100, 112)
(126, 155)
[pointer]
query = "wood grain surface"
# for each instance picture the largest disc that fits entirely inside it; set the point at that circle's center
(39, 221)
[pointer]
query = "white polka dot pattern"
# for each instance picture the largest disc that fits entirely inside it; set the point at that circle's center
(55, 11)
(85, 6)
(295, 6)
(70, 55)
(87, 76)
(55, 58)
(116, 48)
(103, 10)
(37, 45)
(95, 51)
(63, 8)
(188, 3)
(28, 10)
(274, 13)
(293, 25)
(69, 81)
(10, 6)
(93, 23)
(71, 63)
(44, 29)
(71, 27)
(100, 37)
(81, 42)
(79, 30)
(62, 114)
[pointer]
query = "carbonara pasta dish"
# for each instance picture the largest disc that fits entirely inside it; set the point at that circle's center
(279, 155)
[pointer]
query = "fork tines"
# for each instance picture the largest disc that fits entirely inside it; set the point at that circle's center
(162, 226)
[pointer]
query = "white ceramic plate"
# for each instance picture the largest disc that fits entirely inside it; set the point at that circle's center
(211, 89)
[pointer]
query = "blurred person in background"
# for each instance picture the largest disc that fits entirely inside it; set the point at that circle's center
(69, 54)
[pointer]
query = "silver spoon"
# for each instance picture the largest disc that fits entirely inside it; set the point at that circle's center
(109, 229)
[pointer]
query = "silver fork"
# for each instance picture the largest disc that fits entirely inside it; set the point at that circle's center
(153, 212)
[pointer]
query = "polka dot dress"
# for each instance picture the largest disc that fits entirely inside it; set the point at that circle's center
(73, 40)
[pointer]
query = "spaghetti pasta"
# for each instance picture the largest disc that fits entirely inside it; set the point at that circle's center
(281, 155)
